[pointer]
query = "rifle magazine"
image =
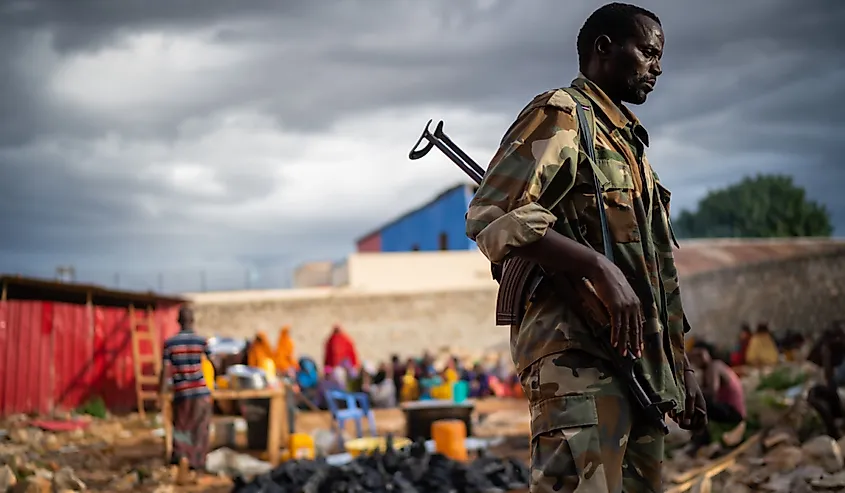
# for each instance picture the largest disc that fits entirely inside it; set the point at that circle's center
(516, 275)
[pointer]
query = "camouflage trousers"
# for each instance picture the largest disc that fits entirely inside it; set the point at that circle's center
(584, 436)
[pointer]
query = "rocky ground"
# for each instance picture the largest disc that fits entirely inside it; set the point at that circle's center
(785, 448)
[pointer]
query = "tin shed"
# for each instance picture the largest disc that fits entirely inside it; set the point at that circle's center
(63, 343)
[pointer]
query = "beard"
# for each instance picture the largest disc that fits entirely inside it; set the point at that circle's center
(636, 90)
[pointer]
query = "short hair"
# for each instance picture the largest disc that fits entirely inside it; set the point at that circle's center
(616, 20)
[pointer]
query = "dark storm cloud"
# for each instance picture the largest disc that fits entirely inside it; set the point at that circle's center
(755, 84)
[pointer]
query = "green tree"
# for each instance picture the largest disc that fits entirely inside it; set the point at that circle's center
(764, 206)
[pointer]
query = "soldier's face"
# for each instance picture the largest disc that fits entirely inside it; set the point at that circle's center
(637, 62)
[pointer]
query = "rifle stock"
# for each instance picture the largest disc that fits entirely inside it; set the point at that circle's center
(518, 279)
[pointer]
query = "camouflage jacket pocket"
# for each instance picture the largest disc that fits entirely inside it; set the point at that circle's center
(619, 195)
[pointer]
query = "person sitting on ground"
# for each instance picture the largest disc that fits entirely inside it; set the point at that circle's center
(397, 369)
(450, 373)
(380, 387)
(738, 356)
(723, 394)
(284, 356)
(481, 388)
(829, 354)
(335, 381)
(762, 350)
(410, 384)
(307, 380)
(792, 345)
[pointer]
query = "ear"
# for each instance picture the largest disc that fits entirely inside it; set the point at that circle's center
(602, 46)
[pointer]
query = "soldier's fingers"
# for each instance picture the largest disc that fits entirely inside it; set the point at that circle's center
(633, 333)
(641, 330)
(689, 410)
(637, 338)
(624, 331)
(615, 324)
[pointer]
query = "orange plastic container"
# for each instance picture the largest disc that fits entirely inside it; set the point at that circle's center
(450, 438)
(301, 446)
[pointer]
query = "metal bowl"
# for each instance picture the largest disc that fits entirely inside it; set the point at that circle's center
(243, 377)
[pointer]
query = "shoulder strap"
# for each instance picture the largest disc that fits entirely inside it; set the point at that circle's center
(588, 144)
(551, 195)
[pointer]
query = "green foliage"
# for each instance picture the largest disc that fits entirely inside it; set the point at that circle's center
(764, 206)
(94, 407)
(782, 379)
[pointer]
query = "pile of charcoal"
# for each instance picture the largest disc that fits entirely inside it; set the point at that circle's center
(410, 470)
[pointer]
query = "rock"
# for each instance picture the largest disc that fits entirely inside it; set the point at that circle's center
(784, 458)
(779, 437)
(830, 482)
(825, 452)
(44, 473)
(676, 435)
(34, 484)
(65, 479)
(77, 434)
(802, 476)
(779, 483)
(734, 487)
(7, 478)
(26, 436)
(127, 482)
(51, 442)
(227, 461)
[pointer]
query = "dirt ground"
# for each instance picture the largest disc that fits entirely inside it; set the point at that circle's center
(126, 453)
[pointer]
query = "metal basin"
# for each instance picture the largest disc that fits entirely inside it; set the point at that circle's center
(243, 377)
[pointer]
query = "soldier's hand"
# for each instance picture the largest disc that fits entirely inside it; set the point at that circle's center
(623, 305)
(694, 416)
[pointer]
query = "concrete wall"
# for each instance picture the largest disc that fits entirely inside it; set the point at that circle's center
(314, 274)
(380, 323)
(804, 293)
(415, 271)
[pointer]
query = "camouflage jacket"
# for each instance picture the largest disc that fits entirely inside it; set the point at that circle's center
(543, 144)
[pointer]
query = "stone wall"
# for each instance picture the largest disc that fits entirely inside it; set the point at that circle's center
(380, 324)
(804, 293)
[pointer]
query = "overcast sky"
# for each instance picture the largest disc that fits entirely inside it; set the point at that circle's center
(146, 142)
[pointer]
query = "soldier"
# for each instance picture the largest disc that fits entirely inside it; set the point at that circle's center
(586, 436)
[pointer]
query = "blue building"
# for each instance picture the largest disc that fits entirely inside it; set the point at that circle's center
(436, 225)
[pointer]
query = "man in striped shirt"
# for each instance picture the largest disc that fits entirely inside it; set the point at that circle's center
(192, 408)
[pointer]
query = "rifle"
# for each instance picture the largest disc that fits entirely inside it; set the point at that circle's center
(519, 278)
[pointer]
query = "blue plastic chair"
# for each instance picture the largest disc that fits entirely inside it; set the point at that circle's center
(357, 406)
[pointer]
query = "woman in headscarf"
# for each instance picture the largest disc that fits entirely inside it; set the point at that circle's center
(260, 355)
(762, 350)
(382, 389)
(335, 380)
(284, 357)
(339, 347)
(308, 379)
(410, 384)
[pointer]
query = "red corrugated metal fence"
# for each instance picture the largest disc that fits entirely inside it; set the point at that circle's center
(58, 355)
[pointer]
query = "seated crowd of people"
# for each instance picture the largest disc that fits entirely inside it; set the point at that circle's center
(386, 383)
(723, 390)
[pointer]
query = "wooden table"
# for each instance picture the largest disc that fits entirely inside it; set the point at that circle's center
(419, 415)
(277, 425)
